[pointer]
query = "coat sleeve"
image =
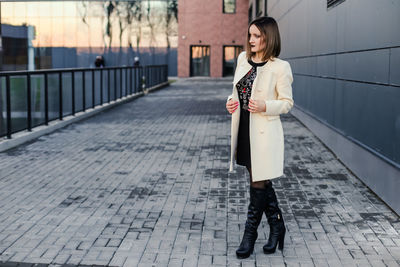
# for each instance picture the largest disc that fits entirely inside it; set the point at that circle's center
(284, 101)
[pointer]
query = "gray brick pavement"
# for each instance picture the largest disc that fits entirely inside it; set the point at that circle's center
(146, 184)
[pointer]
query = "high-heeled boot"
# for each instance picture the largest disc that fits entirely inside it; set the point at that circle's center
(275, 221)
(254, 214)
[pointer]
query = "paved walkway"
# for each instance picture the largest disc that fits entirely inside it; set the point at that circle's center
(146, 184)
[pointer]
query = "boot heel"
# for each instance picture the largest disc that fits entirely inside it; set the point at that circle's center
(281, 242)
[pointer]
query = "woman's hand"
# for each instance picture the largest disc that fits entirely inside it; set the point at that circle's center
(256, 106)
(232, 105)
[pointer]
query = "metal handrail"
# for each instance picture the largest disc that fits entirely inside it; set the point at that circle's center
(137, 78)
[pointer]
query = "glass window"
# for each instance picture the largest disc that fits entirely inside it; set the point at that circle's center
(57, 32)
(258, 7)
(229, 6)
(90, 26)
(20, 9)
(200, 61)
(332, 3)
(251, 13)
(57, 8)
(69, 9)
(70, 32)
(230, 55)
(32, 9)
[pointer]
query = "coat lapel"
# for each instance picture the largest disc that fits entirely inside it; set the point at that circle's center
(243, 69)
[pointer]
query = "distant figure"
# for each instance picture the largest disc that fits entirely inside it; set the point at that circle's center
(99, 62)
(136, 62)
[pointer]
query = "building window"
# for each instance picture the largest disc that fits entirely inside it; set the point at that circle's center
(200, 60)
(258, 8)
(251, 13)
(229, 6)
(332, 3)
(230, 55)
(73, 33)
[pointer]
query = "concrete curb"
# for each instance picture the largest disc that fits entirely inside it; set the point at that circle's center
(26, 136)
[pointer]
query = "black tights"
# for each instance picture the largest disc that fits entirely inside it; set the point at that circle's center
(260, 184)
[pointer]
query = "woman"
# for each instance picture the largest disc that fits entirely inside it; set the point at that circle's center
(261, 92)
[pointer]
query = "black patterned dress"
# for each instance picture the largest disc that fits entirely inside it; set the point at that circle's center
(244, 87)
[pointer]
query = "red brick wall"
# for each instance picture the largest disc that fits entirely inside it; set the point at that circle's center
(204, 20)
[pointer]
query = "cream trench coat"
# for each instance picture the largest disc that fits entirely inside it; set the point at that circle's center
(273, 85)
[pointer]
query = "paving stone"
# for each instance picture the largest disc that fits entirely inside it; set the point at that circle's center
(147, 184)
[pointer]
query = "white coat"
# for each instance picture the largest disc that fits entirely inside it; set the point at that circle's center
(272, 85)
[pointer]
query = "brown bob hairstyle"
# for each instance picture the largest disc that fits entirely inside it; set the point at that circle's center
(269, 35)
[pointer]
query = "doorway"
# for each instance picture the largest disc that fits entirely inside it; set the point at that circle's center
(230, 55)
(200, 60)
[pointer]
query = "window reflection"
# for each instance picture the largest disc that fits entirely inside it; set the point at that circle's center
(32, 9)
(43, 32)
(229, 6)
(19, 10)
(200, 61)
(57, 32)
(57, 8)
(69, 9)
(230, 55)
(87, 27)
(70, 38)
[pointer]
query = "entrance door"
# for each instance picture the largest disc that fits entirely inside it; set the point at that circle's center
(200, 60)
(230, 55)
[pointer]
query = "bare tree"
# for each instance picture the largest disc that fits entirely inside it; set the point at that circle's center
(134, 14)
(172, 12)
(122, 22)
(151, 25)
(109, 7)
(84, 17)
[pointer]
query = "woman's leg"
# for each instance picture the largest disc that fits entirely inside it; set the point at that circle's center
(260, 184)
(254, 215)
(275, 221)
(273, 214)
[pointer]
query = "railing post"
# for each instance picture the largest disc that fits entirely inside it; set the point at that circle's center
(150, 76)
(147, 76)
(101, 86)
(130, 80)
(109, 85)
(83, 92)
(126, 81)
(8, 96)
(29, 106)
(60, 91)
(115, 84)
(93, 89)
(143, 79)
(120, 82)
(73, 92)
(137, 80)
(46, 99)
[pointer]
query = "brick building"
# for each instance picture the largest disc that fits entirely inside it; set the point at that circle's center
(210, 36)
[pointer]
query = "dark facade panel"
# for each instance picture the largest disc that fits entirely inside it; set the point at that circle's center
(366, 113)
(394, 66)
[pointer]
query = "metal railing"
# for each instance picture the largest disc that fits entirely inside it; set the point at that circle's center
(32, 98)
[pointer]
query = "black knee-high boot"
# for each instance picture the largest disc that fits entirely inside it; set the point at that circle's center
(275, 221)
(254, 214)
